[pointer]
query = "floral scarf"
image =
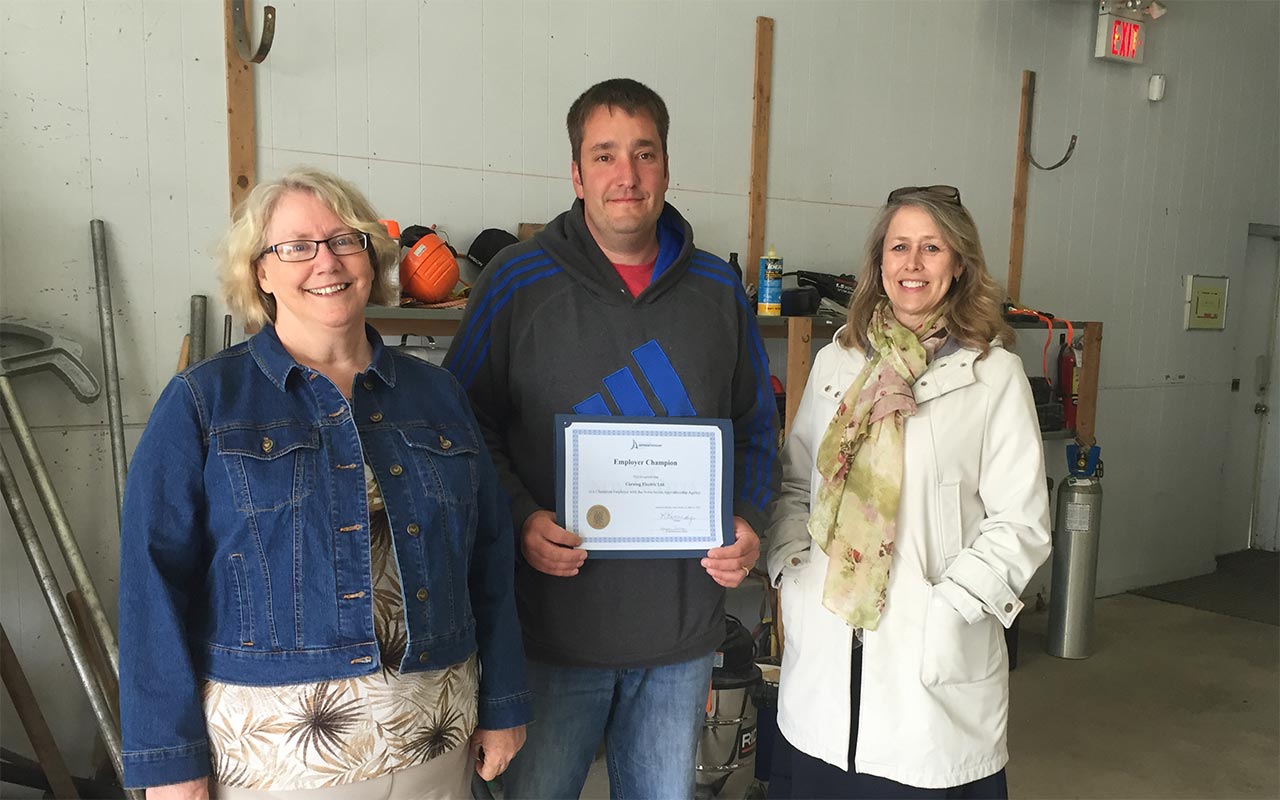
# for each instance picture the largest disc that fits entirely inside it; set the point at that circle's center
(854, 518)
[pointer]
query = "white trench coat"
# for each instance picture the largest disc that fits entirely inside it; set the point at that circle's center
(973, 526)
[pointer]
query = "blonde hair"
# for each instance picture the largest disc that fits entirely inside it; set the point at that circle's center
(973, 304)
(246, 239)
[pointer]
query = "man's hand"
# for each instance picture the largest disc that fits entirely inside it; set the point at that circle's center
(549, 548)
(729, 565)
(493, 750)
(197, 789)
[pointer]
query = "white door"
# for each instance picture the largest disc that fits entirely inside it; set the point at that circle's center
(1266, 388)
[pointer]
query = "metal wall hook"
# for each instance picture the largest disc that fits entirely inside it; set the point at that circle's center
(241, 28)
(1071, 148)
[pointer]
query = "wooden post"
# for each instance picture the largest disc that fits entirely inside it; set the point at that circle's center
(241, 140)
(761, 97)
(1087, 408)
(33, 722)
(799, 350)
(1018, 226)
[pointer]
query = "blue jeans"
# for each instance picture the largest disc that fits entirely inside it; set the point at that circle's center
(649, 719)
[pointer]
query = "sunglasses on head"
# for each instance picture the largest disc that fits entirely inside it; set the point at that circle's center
(948, 193)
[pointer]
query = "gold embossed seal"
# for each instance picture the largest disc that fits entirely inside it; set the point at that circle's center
(598, 517)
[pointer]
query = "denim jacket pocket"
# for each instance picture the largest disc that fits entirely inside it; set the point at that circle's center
(269, 467)
(243, 599)
(446, 462)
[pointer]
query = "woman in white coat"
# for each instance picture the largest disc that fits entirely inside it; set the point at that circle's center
(913, 512)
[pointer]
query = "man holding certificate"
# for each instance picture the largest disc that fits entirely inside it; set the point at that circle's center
(622, 387)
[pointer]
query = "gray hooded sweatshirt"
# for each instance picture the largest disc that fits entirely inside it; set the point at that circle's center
(551, 328)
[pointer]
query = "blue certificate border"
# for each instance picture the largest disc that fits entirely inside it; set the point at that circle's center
(724, 480)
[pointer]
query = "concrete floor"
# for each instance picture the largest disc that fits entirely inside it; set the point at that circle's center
(1174, 703)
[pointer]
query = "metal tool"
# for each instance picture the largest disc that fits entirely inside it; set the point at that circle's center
(199, 327)
(110, 367)
(53, 506)
(47, 351)
(58, 606)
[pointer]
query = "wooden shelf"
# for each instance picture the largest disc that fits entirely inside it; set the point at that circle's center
(397, 321)
(1023, 324)
(776, 327)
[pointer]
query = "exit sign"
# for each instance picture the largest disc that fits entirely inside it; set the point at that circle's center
(1120, 39)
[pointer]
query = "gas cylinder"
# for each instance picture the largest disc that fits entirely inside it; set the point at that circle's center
(1076, 531)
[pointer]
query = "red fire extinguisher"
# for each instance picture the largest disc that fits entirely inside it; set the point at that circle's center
(1068, 380)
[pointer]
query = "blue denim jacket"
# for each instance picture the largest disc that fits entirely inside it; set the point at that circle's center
(245, 549)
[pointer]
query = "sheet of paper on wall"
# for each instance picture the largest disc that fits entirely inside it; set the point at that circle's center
(1206, 304)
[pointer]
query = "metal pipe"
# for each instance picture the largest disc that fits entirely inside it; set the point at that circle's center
(199, 333)
(58, 606)
(97, 659)
(110, 367)
(58, 521)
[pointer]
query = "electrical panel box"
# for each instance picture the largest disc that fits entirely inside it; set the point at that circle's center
(1206, 306)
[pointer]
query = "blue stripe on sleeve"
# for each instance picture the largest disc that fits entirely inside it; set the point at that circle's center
(476, 336)
(761, 451)
(469, 376)
(496, 296)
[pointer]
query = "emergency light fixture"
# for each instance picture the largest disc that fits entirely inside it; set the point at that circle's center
(1122, 32)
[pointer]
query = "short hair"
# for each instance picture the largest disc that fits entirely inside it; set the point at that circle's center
(629, 95)
(245, 240)
(973, 304)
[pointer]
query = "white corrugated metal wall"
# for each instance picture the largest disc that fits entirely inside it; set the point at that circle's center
(451, 112)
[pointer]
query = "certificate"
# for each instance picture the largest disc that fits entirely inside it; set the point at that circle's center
(645, 487)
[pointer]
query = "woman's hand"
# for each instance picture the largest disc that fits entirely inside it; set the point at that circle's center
(493, 750)
(197, 789)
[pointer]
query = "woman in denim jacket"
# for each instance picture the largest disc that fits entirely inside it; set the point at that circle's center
(317, 564)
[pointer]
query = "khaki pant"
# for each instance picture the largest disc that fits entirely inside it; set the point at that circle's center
(446, 777)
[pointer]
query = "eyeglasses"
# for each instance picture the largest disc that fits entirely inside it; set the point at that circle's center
(344, 244)
(949, 193)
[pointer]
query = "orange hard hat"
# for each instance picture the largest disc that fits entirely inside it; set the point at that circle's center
(429, 271)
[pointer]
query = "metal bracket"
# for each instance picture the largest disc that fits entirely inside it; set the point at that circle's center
(241, 28)
(51, 352)
(1071, 148)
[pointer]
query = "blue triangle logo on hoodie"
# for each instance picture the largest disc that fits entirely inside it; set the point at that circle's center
(657, 370)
